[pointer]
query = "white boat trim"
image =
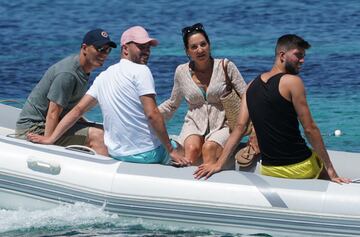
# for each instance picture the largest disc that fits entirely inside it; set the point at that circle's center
(43, 176)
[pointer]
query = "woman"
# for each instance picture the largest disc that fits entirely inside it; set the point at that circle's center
(201, 81)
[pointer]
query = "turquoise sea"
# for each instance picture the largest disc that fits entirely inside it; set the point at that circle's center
(35, 34)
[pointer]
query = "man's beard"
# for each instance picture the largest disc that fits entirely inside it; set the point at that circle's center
(291, 69)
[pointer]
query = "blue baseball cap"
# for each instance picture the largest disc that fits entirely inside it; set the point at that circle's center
(98, 38)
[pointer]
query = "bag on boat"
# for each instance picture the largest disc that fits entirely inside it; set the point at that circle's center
(231, 101)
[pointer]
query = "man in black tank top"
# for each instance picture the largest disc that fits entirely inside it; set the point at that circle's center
(275, 102)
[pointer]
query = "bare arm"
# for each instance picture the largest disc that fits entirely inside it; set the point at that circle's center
(67, 122)
(296, 89)
(157, 122)
(206, 170)
(52, 118)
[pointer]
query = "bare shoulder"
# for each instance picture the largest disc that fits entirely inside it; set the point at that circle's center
(291, 81)
(291, 86)
(291, 78)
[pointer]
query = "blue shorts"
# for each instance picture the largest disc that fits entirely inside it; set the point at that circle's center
(157, 156)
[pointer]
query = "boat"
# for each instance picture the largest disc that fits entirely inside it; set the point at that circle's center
(39, 177)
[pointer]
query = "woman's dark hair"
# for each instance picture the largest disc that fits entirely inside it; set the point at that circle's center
(192, 30)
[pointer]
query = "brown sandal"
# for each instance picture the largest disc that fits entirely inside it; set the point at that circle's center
(246, 155)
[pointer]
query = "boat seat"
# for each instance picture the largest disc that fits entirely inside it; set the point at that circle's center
(6, 131)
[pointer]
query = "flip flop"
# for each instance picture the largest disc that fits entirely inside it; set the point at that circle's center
(245, 156)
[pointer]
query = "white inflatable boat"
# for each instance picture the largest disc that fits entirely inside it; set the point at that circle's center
(34, 176)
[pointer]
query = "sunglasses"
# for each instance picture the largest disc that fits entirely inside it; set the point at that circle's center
(189, 29)
(103, 49)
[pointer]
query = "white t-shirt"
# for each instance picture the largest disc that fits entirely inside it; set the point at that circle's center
(118, 90)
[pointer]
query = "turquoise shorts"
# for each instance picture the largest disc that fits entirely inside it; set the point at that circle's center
(157, 156)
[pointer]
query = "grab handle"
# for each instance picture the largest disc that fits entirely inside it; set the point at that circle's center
(43, 167)
(81, 148)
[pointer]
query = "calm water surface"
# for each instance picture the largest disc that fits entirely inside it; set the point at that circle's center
(35, 34)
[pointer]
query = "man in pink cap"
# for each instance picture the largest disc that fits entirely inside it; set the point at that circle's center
(134, 128)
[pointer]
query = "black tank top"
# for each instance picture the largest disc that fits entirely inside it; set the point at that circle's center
(276, 123)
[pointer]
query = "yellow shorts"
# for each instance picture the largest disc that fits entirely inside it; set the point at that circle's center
(307, 169)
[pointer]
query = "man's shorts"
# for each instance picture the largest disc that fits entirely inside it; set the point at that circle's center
(307, 169)
(158, 155)
(76, 135)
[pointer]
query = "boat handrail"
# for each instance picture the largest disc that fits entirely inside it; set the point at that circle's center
(81, 148)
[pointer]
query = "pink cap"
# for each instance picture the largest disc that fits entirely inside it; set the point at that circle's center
(138, 35)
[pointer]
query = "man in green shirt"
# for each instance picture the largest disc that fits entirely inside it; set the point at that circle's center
(60, 89)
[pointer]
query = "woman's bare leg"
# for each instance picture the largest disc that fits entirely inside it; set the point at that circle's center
(193, 145)
(211, 152)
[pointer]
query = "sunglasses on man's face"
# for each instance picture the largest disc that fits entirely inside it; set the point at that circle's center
(189, 29)
(103, 49)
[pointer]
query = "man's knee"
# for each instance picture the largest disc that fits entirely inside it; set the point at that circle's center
(96, 135)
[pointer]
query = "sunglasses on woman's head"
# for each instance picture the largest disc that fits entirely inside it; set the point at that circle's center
(189, 29)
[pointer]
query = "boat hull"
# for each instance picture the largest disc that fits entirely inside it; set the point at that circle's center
(34, 176)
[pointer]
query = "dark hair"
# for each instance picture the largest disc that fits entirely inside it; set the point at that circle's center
(192, 30)
(290, 41)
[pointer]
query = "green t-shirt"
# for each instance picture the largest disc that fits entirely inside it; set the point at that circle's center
(64, 83)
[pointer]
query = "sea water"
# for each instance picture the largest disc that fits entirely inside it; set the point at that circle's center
(35, 34)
